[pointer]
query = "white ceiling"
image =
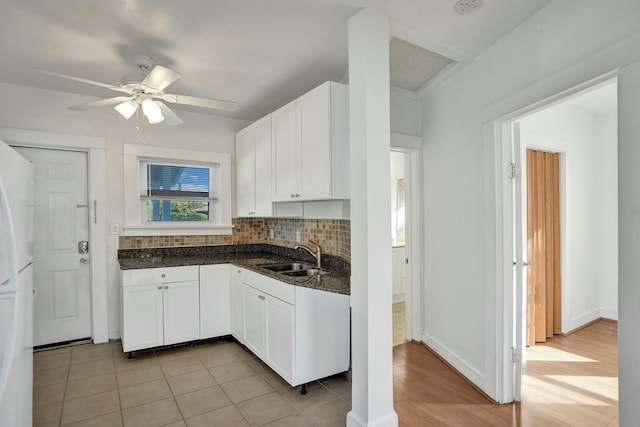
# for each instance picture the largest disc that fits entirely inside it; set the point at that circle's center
(259, 53)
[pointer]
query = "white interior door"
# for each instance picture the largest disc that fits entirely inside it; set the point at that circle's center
(62, 311)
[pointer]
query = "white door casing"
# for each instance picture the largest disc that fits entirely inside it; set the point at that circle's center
(63, 307)
(520, 276)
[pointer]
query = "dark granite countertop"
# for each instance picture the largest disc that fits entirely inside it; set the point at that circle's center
(248, 256)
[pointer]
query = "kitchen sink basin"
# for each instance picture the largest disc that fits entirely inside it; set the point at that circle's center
(287, 266)
(294, 269)
(307, 272)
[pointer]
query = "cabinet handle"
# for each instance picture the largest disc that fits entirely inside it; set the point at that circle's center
(163, 275)
(239, 271)
(159, 286)
(297, 195)
(293, 195)
(166, 287)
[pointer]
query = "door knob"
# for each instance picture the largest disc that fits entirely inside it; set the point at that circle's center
(83, 260)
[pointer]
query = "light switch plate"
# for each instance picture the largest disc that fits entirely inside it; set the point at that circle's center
(114, 229)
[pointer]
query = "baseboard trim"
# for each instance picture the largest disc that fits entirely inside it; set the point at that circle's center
(604, 319)
(460, 374)
(355, 420)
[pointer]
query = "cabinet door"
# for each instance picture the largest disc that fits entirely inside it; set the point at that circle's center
(245, 173)
(285, 160)
(142, 325)
(280, 318)
(262, 166)
(181, 312)
(315, 143)
(215, 301)
(254, 320)
(237, 305)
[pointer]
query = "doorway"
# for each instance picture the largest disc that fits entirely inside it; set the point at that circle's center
(404, 168)
(582, 127)
(62, 309)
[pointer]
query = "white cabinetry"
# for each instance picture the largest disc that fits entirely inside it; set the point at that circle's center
(300, 333)
(254, 327)
(279, 331)
(253, 169)
(310, 153)
(215, 300)
(160, 306)
(237, 304)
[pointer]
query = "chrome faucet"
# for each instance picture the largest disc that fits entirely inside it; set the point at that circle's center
(317, 255)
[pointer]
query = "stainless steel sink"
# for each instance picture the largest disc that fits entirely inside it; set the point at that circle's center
(307, 272)
(287, 266)
(294, 269)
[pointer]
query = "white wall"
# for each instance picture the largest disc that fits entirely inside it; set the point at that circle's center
(589, 215)
(42, 110)
(565, 44)
(405, 113)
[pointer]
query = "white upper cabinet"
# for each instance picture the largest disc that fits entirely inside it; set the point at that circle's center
(253, 169)
(310, 152)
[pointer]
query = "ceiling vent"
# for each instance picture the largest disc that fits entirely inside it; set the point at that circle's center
(465, 7)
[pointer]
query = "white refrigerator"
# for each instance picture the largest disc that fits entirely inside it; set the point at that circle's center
(16, 288)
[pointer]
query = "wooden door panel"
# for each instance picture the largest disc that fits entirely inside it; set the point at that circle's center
(543, 246)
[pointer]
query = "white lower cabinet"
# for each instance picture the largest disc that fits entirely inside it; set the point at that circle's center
(160, 306)
(142, 317)
(215, 300)
(300, 333)
(237, 305)
(254, 316)
(279, 328)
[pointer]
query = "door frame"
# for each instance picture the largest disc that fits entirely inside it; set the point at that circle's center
(412, 147)
(498, 133)
(96, 185)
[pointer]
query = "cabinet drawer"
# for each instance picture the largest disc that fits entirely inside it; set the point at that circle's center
(275, 288)
(159, 275)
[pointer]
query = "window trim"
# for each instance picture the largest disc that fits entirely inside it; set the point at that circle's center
(134, 155)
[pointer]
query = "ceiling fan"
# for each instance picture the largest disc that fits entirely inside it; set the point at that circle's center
(146, 92)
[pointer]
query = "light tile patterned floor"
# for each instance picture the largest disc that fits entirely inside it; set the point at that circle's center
(215, 384)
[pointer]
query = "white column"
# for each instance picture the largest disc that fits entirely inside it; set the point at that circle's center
(371, 294)
(629, 243)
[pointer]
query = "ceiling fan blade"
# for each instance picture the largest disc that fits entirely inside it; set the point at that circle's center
(215, 104)
(83, 80)
(101, 103)
(170, 117)
(160, 77)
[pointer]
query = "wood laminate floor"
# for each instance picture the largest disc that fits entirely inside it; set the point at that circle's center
(568, 381)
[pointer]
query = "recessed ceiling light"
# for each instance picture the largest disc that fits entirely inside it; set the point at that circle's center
(466, 7)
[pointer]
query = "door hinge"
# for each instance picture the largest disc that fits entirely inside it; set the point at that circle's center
(514, 171)
(515, 355)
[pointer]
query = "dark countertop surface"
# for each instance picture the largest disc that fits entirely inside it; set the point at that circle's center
(247, 256)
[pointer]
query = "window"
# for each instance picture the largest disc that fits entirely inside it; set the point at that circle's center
(175, 192)
(172, 191)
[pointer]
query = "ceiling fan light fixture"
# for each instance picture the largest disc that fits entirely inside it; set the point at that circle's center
(127, 108)
(152, 111)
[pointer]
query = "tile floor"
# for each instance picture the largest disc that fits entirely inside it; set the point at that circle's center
(216, 384)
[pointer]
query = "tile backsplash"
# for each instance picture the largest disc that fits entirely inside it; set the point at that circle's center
(334, 236)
